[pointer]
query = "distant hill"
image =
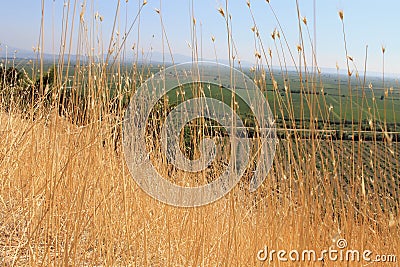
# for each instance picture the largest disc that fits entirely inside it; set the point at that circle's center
(156, 57)
(11, 52)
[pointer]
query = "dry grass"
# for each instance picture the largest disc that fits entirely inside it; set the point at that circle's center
(67, 197)
(68, 200)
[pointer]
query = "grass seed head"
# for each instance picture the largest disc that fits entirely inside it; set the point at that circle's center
(341, 14)
(275, 85)
(299, 48)
(221, 11)
(349, 73)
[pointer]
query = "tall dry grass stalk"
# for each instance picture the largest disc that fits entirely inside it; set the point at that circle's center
(67, 197)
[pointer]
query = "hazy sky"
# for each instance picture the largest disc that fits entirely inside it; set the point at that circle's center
(372, 23)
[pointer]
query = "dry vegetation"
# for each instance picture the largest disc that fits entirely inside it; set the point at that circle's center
(67, 197)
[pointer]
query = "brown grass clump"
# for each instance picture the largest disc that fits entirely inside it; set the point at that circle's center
(66, 198)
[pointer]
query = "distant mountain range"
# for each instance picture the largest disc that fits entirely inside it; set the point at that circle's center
(156, 57)
(11, 52)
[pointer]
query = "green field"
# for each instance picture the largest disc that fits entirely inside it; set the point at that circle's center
(334, 101)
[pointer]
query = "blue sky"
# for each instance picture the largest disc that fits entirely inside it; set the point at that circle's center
(372, 23)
